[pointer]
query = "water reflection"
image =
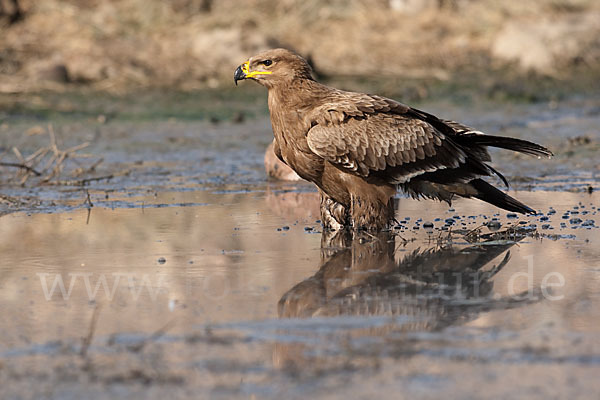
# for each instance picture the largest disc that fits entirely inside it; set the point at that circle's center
(424, 289)
(362, 276)
(376, 306)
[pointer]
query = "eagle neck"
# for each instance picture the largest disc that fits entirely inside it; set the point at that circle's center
(290, 94)
(289, 105)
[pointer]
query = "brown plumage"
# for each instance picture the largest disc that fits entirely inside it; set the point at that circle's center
(359, 148)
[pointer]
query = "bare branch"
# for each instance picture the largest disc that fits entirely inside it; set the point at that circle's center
(22, 166)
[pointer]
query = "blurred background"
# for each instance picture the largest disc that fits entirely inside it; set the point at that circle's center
(120, 45)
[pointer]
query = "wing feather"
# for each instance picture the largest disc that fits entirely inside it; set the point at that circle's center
(380, 137)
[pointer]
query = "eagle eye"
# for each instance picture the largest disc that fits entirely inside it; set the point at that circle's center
(266, 63)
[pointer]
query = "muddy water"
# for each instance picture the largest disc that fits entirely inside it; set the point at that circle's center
(192, 276)
(230, 293)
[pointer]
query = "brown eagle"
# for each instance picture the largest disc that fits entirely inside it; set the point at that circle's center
(359, 148)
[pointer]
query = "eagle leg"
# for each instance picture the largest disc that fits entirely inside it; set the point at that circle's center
(333, 214)
(363, 213)
(369, 213)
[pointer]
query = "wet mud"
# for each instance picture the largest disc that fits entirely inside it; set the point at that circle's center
(193, 275)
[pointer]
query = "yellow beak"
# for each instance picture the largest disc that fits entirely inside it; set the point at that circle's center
(243, 72)
(249, 74)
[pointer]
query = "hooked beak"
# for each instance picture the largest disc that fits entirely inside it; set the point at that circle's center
(243, 72)
(238, 75)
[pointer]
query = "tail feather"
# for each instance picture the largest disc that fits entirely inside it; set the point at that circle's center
(476, 188)
(490, 194)
(520, 145)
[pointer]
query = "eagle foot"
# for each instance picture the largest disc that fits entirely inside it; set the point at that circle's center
(333, 214)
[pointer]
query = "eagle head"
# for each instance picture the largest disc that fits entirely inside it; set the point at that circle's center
(273, 67)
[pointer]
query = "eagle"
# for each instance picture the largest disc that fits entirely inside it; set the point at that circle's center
(359, 149)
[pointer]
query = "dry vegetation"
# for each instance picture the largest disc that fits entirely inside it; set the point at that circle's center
(189, 44)
(51, 165)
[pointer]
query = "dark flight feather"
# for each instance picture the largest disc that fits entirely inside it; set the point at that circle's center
(490, 194)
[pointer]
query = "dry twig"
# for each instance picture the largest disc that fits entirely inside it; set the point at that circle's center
(48, 164)
(20, 165)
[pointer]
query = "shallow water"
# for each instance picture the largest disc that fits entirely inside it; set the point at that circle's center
(231, 293)
(193, 276)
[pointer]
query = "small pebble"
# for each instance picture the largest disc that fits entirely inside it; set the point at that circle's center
(494, 225)
(162, 260)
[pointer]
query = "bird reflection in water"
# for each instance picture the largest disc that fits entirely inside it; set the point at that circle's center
(381, 276)
(361, 276)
